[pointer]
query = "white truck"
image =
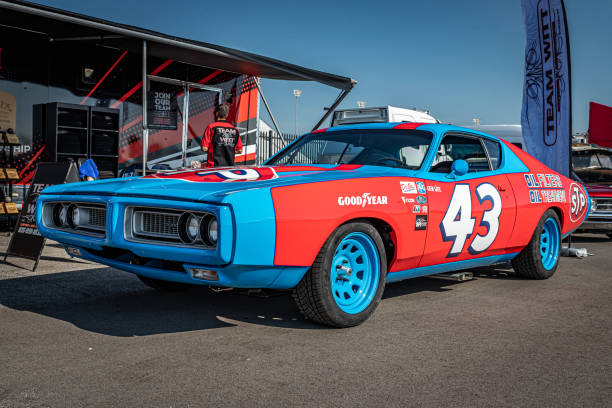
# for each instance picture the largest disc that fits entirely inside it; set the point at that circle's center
(380, 114)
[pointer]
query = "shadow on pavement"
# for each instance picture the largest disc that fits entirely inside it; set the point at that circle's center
(116, 303)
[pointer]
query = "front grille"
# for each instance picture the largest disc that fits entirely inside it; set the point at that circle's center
(156, 224)
(601, 210)
(161, 226)
(603, 204)
(97, 217)
(88, 219)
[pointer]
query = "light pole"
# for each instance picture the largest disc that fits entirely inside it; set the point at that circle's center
(296, 93)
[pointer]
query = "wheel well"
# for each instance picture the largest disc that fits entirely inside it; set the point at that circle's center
(559, 214)
(385, 231)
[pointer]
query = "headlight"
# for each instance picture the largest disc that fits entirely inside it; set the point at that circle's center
(212, 230)
(189, 226)
(193, 225)
(74, 216)
(60, 215)
(208, 230)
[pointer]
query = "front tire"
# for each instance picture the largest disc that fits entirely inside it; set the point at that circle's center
(346, 281)
(540, 258)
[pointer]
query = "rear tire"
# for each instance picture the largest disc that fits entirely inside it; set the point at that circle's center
(162, 285)
(540, 258)
(346, 281)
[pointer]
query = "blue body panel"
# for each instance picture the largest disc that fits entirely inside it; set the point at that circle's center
(245, 252)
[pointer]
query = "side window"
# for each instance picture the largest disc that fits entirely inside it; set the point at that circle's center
(460, 147)
(494, 150)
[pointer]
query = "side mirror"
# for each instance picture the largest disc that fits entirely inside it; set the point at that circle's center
(458, 168)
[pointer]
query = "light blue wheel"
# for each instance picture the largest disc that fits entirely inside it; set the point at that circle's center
(355, 271)
(549, 243)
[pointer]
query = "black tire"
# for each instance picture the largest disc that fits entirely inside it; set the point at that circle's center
(609, 236)
(162, 285)
(313, 295)
(528, 263)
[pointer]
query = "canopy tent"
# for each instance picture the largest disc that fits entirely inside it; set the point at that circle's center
(64, 26)
(75, 26)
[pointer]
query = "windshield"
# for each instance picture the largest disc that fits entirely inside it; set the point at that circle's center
(391, 148)
(592, 159)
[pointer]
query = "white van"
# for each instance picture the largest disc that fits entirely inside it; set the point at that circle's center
(381, 114)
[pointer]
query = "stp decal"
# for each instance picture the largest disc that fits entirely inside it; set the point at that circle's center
(578, 202)
(220, 174)
(458, 224)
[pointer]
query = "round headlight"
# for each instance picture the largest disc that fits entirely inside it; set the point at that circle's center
(75, 216)
(193, 225)
(72, 216)
(208, 230)
(189, 226)
(60, 215)
(212, 231)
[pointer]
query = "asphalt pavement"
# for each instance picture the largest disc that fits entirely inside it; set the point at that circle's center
(75, 334)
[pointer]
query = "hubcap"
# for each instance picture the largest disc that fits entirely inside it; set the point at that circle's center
(549, 243)
(355, 272)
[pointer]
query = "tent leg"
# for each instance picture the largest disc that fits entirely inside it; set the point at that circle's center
(331, 109)
(263, 98)
(145, 130)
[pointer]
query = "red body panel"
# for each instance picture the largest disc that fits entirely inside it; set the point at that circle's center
(502, 210)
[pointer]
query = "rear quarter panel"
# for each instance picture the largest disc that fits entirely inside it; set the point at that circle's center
(540, 189)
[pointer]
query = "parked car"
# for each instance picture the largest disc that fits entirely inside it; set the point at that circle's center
(380, 114)
(593, 165)
(400, 201)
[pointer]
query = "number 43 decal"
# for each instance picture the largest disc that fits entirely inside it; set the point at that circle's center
(458, 224)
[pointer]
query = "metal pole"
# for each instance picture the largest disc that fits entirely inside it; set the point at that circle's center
(270, 148)
(296, 102)
(145, 89)
(263, 98)
(185, 126)
(331, 109)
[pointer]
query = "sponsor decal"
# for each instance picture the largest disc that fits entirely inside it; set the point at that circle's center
(362, 200)
(578, 202)
(421, 187)
(420, 223)
(219, 174)
(424, 209)
(421, 199)
(545, 188)
(543, 180)
(407, 200)
(408, 187)
(434, 189)
(416, 208)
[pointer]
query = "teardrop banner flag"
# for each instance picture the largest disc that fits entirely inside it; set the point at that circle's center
(546, 114)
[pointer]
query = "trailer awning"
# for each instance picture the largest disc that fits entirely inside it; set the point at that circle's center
(62, 25)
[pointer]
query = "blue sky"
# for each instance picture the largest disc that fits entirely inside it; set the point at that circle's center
(459, 59)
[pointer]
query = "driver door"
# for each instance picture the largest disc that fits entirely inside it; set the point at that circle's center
(470, 215)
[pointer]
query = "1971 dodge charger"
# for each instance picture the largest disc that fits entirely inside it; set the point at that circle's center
(334, 215)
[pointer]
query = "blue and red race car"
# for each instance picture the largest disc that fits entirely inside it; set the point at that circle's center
(335, 216)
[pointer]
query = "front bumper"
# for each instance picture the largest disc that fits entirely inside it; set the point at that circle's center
(234, 276)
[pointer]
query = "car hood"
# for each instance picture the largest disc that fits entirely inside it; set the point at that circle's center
(599, 190)
(213, 185)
